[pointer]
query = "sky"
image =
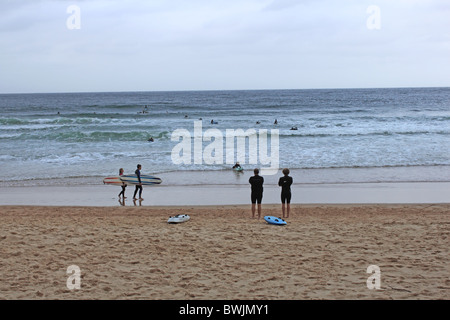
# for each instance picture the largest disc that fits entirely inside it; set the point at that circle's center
(156, 45)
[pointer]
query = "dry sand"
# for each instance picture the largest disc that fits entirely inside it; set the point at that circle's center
(221, 253)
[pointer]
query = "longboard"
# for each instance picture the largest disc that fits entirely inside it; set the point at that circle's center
(114, 181)
(145, 179)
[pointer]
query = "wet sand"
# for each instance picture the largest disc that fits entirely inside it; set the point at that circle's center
(172, 195)
(221, 253)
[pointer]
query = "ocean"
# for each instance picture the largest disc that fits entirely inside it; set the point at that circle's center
(343, 135)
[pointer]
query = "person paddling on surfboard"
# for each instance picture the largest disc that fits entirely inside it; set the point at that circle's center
(124, 185)
(138, 186)
(237, 166)
(257, 192)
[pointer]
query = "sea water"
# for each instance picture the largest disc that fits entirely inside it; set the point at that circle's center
(343, 135)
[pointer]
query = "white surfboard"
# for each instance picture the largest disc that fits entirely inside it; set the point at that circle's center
(179, 218)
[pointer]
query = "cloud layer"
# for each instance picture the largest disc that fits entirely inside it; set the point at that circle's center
(200, 45)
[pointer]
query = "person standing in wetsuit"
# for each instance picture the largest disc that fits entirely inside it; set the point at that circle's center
(285, 184)
(257, 192)
(138, 186)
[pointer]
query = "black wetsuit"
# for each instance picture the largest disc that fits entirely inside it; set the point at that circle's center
(124, 186)
(257, 188)
(285, 184)
(138, 187)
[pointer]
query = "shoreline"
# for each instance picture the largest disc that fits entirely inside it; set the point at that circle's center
(270, 207)
(163, 195)
(304, 176)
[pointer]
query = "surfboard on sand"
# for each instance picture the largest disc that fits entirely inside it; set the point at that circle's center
(115, 181)
(275, 220)
(145, 179)
(179, 218)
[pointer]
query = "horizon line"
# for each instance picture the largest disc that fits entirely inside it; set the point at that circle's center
(212, 90)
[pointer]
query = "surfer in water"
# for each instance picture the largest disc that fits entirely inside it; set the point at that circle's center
(237, 166)
(122, 193)
(257, 192)
(138, 186)
(285, 184)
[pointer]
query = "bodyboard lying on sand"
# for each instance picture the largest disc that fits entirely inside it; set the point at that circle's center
(275, 220)
(179, 218)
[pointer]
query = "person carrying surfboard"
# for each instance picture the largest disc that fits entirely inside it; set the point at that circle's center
(257, 192)
(285, 184)
(124, 185)
(138, 186)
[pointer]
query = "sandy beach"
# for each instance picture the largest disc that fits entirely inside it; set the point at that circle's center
(221, 253)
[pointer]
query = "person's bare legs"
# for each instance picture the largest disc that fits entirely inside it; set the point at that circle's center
(288, 209)
(253, 210)
(283, 208)
(259, 210)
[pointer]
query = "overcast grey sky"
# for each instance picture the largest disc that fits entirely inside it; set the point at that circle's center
(137, 45)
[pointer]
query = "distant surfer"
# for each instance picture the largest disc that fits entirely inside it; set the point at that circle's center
(145, 110)
(257, 192)
(151, 139)
(124, 186)
(237, 166)
(276, 121)
(294, 128)
(285, 183)
(138, 186)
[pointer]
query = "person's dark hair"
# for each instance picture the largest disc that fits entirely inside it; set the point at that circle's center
(285, 171)
(256, 171)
